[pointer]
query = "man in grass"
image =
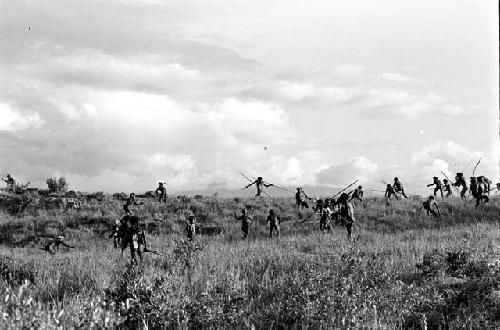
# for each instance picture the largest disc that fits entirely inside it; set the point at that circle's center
(161, 192)
(346, 213)
(10, 182)
(460, 182)
(300, 199)
(325, 216)
(274, 223)
(482, 191)
(398, 187)
(447, 188)
(53, 246)
(191, 227)
(438, 186)
(431, 206)
(357, 194)
(130, 201)
(389, 192)
(118, 233)
(135, 239)
(246, 221)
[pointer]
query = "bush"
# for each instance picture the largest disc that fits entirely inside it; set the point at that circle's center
(57, 185)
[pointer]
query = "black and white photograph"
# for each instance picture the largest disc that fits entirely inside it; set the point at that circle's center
(237, 164)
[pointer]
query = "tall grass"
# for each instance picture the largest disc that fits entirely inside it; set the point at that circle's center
(403, 269)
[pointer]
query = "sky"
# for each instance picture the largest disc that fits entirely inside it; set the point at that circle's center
(119, 95)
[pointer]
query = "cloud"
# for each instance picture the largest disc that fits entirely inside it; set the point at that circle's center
(444, 156)
(443, 153)
(382, 102)
(399, 78)
(119, 94)
(144, 136)
(12, 120)
(358, 167)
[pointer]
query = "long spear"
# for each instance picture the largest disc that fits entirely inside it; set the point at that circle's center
(345, 188)
(475, 167)
(249, 180)
(467, 165)
(283, 189)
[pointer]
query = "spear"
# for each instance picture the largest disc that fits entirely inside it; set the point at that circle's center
(155, 252)
(349, 186)
(475, 167)
(467, 165)
(284, 189)
(246, 177)
(151, 251)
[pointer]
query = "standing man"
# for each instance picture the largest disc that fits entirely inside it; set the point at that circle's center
(135, 239)
(274, 223)
(325, 216)
(460, 182)
(438, 186)
(346, 211)
(259, 183)
(482, 191)
(300, 196)
(487, 182)
(246, 221)
(191, 227)
(398, 187)
(161, 192)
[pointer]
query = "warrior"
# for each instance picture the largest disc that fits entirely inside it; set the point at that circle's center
(398, 187)
(389, 192)
(259, 183)
(482, 191)
(130, 201)
(246, 221)
(135, 239)
(357, 194)
(460, 182)
(191, 227)
(10, 182)
(274, 223)
(447, 188)
(161, 192)
(299, 199)
(438, 186)
(346, 212)
(53, 246)
(325, 216)
(431, 206)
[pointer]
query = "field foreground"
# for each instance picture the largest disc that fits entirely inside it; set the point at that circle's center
(403, 269)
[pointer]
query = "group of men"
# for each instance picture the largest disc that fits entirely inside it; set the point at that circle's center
(479, 187)
(129, 233)
(395, 189)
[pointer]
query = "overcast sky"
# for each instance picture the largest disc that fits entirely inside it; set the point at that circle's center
(118, 95)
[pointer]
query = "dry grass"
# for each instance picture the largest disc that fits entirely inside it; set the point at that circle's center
(403, 269)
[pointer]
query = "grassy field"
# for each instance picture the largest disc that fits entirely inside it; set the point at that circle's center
(402, 270)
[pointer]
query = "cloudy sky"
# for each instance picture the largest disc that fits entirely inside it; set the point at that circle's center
(117, 95)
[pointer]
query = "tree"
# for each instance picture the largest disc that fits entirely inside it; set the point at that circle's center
(57, 185)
